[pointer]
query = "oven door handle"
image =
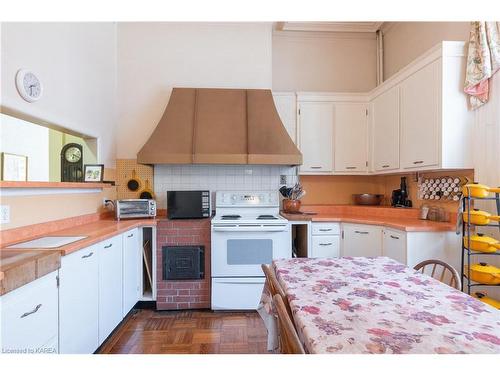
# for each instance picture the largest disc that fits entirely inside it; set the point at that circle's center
(246, 281)
(250, 228)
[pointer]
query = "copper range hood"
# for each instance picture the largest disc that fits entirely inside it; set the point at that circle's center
(220, 126)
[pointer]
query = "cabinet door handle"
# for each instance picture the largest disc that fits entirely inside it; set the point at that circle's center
(108, 246)
(395, 237)
(32, 311)
(326, 244)
(325, 230)
(88, 255)
(418, 162)
(361, 232)
(316, 167)
(351, 167)
(386, 166)
(130, 235)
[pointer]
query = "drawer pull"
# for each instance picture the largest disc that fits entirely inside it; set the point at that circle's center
(316, 167)
(108, 246)
(130, 235)
(361, 232)
(32, 311)
(325, 230)
(326, 244)
(418, 162)
(88, 255)
(351, 167)
(386, 166)
(395, 237)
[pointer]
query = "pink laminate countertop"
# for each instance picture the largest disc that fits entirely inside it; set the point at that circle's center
(382, 216)
(95, 232)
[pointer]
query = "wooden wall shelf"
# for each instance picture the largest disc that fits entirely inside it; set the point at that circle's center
(53, 185)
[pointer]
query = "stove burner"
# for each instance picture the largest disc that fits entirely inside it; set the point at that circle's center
(266, 217)
(230, 217)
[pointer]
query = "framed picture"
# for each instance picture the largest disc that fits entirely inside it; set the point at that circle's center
(14, 167)
(93, 172)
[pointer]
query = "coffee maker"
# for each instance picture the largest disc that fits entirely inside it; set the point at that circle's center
(399, 196)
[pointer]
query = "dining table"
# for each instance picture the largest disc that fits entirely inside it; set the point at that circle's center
(361, 305)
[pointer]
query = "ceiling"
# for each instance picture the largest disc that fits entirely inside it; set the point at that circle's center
(350, 27)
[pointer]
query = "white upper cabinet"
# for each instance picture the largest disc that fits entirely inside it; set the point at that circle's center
(420, 118)
(350, 137)
(316, 137)
(385, 120)
(286, 105)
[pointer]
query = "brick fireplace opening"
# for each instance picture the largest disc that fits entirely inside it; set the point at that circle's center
(183, 294)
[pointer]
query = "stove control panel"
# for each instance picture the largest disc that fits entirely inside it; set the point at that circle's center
(245, 199)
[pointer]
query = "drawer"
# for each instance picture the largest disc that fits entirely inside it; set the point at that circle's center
(325, 247)
(237, 293)
(325, 229)
(30, 317)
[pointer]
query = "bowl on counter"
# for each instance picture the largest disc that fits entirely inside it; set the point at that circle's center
(368, 199)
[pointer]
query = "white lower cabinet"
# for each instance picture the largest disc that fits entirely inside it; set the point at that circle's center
(79, 302)
(110, 286)
(394, 245)
(361, 240)
(29, 317)
(325, 247)
(131, 270)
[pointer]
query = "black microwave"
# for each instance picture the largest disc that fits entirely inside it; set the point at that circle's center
(190, 204)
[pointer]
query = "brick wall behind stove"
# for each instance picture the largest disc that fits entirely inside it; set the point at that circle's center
(183, 294)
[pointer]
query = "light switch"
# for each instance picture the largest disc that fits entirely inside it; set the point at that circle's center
(4, 214)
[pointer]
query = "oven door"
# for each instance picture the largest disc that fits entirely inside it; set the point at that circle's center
(239, 251)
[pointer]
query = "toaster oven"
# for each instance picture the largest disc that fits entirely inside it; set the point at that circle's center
(135, 208)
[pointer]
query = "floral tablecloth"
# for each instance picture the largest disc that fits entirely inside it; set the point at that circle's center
(377, 305)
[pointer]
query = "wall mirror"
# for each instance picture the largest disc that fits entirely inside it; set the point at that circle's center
(33, 150)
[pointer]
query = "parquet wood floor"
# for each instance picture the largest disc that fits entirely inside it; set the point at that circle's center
(188, 332)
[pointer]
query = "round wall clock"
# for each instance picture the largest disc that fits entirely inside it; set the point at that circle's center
(28, 85)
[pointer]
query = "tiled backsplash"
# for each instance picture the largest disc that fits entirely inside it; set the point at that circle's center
(218, 177)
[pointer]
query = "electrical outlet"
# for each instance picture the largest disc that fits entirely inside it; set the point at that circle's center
(282, 179)
(4, 214)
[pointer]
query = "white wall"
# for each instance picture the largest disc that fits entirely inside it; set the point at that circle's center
(312, 61)
(24, 138)
(76, 63)
(155, 57)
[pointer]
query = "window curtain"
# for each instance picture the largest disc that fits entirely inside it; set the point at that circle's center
(483, 61)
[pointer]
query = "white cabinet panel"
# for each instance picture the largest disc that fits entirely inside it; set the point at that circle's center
(420, 118)
(325, 228)
(385, 117)
(394, 245)
(110, 285)
(286, 105)
(325, 246)
(361, 240)
(316, 137)
(29, 317)
(131, 270)
(350, 137)
(79, 302)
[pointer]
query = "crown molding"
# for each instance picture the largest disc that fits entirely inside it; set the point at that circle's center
(337, 27)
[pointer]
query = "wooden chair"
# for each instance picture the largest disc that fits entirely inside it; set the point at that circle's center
(288, 338)
(275, 287)
(455, 281)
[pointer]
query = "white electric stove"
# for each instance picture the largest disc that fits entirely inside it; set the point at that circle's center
(247, 231)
